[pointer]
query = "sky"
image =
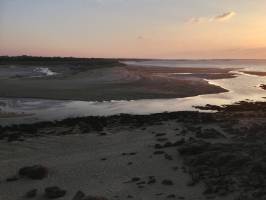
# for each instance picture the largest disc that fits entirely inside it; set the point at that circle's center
(175, 29)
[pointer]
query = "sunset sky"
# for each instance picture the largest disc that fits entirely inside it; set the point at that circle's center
(134, 28)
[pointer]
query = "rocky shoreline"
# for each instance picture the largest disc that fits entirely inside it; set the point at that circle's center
(224, 151)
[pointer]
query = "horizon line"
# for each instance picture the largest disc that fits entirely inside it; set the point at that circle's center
(132, 58)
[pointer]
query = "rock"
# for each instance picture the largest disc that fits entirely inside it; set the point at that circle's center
(13, 137)
(158, 152)
(35, 172)
(31, 194)
(151, 180)
(95, 198)
(160, 134)
(135, 179)
(168, 157)
(158, 146)
(171, 196)
(209, 134)
(193, 148)
(167, 182)
(141, 183)
(12, 178)
(79, 196)
(54, 192)
(179, 142)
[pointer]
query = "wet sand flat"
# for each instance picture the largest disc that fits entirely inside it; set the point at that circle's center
(255, 73)
(117, 83)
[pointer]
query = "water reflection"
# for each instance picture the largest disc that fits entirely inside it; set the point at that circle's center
(240, 88)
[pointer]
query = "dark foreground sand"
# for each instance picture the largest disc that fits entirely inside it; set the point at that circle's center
(182, 155)
(114, 83)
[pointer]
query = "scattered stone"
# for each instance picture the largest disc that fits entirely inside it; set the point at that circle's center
(54, 192)
(79, 196)
(129, 154)
(135, 179)
(162, 139)
(95, 198)
(102, 134)
(209, 134)
(168, 157)
(31, 194)
(36, 172)
(158, 146)
(151, 180)
(141, 183)
(15, 136)
(160, 134)
(167, 182)
(158, 152)
(175, 168)
(171, 196)
(12, 178)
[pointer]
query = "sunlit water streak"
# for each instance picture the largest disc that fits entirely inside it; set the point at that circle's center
(242, 87)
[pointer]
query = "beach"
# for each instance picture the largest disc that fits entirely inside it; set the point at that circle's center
(160, 156)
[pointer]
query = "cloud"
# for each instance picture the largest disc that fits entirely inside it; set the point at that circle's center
(225, 16)
(219, 18)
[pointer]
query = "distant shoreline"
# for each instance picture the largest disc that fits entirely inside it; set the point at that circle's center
(112, 81)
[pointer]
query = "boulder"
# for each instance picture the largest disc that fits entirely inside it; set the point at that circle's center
(31, 194)
(95, 198)
(167, 182)
(54, 192)
(35, 172)
(79, 195)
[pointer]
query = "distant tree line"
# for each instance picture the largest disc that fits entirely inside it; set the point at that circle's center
(33, 60)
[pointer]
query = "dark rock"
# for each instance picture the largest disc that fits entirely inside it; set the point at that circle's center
(14, 136)
(167, 182)
(141, 183)
(151, 180)
(171, 196)
(175, 168)
(158, 146)
(209, 134)
(168, 157)
(162, 139)
(35, 172)
(193, 148)
(12, 178)
(95, 198)
(160, 134)
(158, 152)
(102, 134)
(54, 192)
(31, 194)
(79, 196)
(135, 179)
